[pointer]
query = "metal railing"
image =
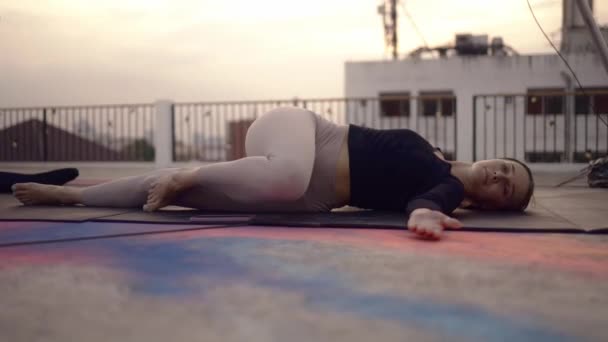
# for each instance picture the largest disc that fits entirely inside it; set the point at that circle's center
(208, 131)
(215, 131)
(78, 133)
(541, 126)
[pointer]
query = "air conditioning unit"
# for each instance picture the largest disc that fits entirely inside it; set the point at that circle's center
(471, 45)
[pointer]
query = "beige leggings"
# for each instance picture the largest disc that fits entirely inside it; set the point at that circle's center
(290, 166)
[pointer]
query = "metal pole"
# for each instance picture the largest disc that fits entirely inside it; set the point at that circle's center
(598, 39)
(394, 32)
(474, 128)
(569, 117)
(45, 153)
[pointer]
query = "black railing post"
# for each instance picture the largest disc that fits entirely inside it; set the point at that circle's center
(455, 111)
(474, 127)
(173, 132)
(524, 123)
(44, 136)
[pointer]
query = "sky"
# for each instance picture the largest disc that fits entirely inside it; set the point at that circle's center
(77, 52)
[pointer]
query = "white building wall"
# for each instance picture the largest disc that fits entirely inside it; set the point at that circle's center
(469, 76)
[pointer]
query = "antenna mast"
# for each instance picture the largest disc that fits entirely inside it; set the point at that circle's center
(388, 10)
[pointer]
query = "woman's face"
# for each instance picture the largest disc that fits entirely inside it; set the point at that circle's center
(499, 184)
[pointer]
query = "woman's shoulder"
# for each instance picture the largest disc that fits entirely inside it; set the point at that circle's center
(400, 136)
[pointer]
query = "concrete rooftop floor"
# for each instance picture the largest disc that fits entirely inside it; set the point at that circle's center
(278, 283)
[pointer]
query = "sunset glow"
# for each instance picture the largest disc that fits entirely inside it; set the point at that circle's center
(85, 51)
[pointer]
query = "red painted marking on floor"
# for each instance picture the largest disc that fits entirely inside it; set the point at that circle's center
(20, 256)
(565, 252)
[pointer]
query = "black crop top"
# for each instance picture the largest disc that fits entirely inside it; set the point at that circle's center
(397, 170)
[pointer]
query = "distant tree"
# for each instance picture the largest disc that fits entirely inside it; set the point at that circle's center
(85, 129)
(139, 149)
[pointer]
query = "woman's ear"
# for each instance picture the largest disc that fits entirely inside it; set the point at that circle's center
(467, 203)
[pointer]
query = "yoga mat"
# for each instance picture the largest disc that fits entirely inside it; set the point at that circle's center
(535, 220)
(179, 215)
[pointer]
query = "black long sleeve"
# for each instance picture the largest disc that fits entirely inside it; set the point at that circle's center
(444, 197)
(398, 170)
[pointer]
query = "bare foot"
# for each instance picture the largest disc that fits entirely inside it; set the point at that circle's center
(34, 193)
(163, 191)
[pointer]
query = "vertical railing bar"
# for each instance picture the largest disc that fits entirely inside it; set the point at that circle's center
(534, 117)
(115, 133)
(544, 111)
(184, 126)
(563, 98)
(524, 122)
(206, 110)
(91, 133)
(426, 125)
(98, 115)
(189, 134)
(199, 109)
(455, 119)
(504, 124)
(436, 117)
(5, 146)
(107, 111)
(103, 117)
(445, 124)
(76, 149)
(587, 127)
(16, 141)
(495, 130)
(65, 118)
(597, 132)
(485, 127)
(474, 128)
(218, 129)
(27, 133)
(44, 135)
(200, 131)
(515, 130)
(130, 137)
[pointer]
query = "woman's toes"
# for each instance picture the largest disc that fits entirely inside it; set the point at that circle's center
(149, 207)
(22, 186)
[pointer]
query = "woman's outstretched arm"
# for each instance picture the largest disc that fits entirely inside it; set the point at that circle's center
(430, 224)
(428, 213)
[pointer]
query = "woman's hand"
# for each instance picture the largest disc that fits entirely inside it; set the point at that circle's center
(430, 223)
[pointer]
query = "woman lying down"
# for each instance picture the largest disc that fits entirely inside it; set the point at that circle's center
(299, 162)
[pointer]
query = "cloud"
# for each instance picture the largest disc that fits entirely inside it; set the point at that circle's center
(135, 50)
